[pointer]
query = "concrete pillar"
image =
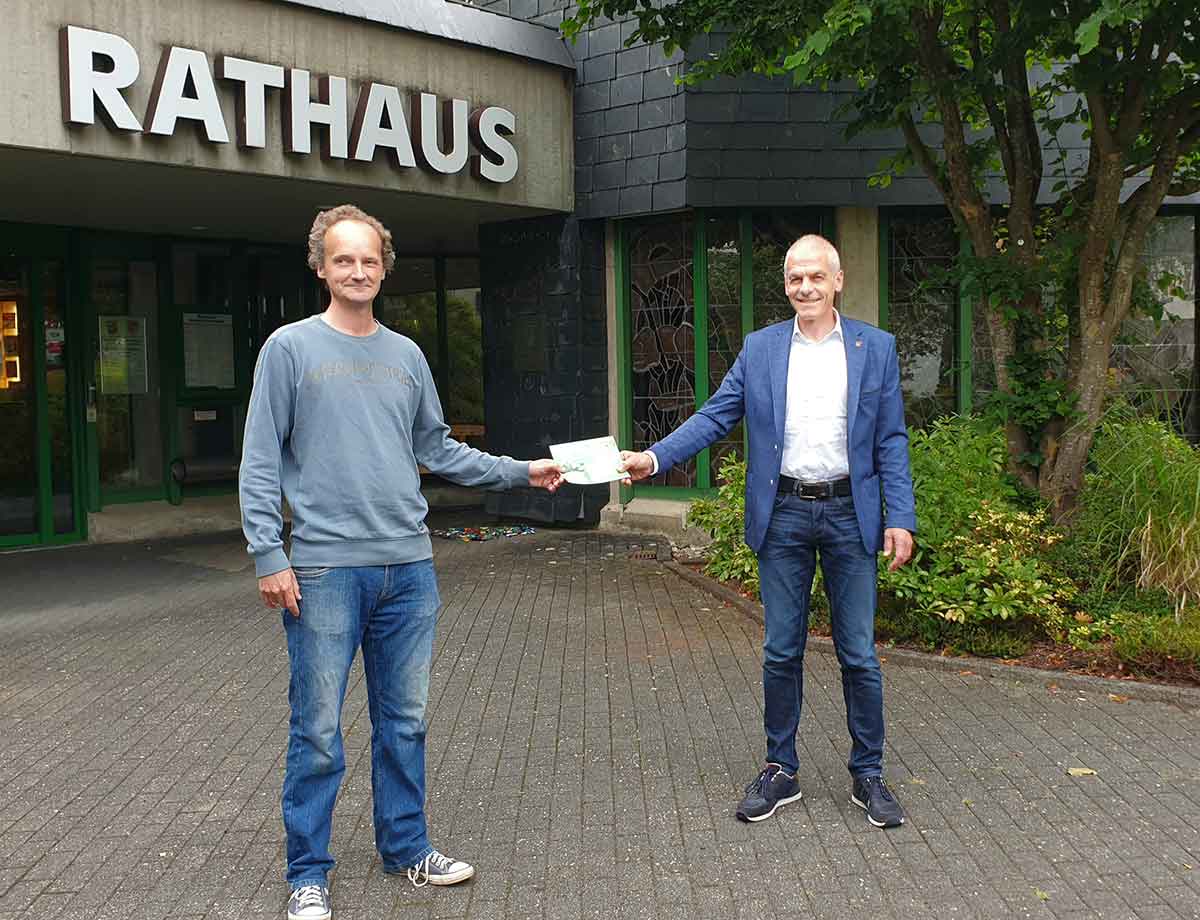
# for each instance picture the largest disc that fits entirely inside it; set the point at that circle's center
(858, 245)
(611, 316)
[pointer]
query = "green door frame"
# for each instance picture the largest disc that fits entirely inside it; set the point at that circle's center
(621, 240)
(37, 245)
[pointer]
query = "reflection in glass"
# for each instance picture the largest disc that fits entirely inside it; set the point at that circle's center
(1154, 359)
(129, 421)
(922, 312)
(464, 332)
(407, 303)
(773, 235)
(662, 336)
(53, 284)
(18, 456)
(724, 321)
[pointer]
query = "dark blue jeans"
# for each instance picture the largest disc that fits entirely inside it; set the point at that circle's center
(389, 611)
(801, 531)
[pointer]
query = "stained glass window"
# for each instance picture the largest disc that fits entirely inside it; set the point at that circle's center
(662, 336)
(724, 320)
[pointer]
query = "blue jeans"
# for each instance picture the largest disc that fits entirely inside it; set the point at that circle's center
(799, 531)
(390, 611)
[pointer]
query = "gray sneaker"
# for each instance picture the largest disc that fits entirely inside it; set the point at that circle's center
(309, 902)
(438, 869)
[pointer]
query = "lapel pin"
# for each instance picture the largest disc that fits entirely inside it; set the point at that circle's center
(858, 343)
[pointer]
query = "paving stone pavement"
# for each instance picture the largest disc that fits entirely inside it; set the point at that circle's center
(593, 720)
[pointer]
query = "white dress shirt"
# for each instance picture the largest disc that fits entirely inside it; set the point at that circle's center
(815, 448)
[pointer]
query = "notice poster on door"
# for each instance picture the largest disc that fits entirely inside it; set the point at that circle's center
(208, 357)
(123, 355)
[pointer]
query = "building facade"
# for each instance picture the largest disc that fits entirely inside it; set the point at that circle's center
(582, 243)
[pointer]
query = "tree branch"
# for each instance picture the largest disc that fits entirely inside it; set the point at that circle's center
(924, 156)
(987, 92)
(1027, 145)
(965, 195)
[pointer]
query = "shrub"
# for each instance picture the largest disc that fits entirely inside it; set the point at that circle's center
(1148, 644)
(1139, 511)
(979, 554)
(724, 517)
(989, 572)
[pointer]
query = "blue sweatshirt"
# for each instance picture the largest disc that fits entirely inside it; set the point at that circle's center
(338, 424)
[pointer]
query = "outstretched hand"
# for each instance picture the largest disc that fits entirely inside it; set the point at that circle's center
(638, 464)
(545, 474)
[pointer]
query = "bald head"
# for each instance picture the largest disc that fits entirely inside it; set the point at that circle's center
(813, 245)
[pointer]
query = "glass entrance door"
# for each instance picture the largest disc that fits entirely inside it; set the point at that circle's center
(18, 404)
(39, 501)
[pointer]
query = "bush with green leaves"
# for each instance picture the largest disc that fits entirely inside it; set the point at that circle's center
(980, 553)
(724, 518)
(990, 574)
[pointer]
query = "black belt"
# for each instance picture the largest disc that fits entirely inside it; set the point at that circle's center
(813, 491)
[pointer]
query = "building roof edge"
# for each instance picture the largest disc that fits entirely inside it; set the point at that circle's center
(457, 22)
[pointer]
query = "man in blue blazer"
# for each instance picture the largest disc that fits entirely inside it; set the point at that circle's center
(820, 395)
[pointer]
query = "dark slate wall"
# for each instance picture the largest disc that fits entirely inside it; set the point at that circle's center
(644, 144)
(765, 141)
(545, 352)
(629, 116)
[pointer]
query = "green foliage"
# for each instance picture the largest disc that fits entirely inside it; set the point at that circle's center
(989, 81)
(1139, 512)
(991, 575)
(979, 557)
(1149, 643)
(724, 517)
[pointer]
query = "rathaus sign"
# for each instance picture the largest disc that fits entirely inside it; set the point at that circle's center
(98, 66)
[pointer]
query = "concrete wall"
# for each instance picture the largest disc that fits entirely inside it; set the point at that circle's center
(539, 94)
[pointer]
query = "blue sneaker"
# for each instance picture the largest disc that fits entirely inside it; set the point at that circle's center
(309, 902)
(439, 869)
(772, 788)
(873, 796)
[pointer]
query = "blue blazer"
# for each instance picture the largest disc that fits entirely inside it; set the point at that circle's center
(756, 389)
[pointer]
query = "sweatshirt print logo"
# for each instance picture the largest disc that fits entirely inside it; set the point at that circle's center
(370, 372)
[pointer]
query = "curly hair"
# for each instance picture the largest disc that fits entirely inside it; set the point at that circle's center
(325, 221)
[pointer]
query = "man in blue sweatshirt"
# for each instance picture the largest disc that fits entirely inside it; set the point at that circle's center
(343, 411)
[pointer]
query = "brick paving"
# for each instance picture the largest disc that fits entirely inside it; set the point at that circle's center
(593, 719)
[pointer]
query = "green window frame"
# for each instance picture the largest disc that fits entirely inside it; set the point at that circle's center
(705, 475)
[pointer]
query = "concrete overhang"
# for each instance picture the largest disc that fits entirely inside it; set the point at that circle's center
(458, 22)
(89, 173)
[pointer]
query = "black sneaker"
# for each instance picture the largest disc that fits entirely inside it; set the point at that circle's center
(872, 794)
(769, 790)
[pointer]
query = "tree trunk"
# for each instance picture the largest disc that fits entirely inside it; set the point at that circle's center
(1061, 477)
